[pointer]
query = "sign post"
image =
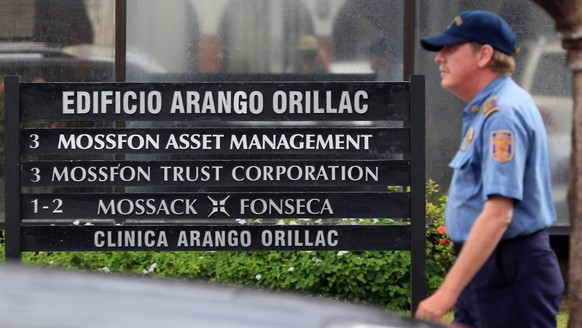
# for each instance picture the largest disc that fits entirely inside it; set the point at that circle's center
(193, 161)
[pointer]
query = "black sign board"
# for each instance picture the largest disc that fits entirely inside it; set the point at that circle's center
(367, 142)
(234, 101)
(52, 206)
(204, 173)
(179, 166)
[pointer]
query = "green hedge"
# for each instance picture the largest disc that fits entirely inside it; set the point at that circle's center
(380, 278)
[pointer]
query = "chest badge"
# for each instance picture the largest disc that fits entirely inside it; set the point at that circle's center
(468, 139)
(502, 145)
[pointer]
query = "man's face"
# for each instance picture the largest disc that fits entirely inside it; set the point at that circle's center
(458, 66)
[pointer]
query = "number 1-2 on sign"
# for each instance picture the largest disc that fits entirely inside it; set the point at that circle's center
(58, 203)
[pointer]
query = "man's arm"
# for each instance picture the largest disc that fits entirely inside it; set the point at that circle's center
(483, 238)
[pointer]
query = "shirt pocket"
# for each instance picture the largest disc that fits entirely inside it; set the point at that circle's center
(460, 160)
(467, 180)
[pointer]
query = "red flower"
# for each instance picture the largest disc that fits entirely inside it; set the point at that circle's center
(2, 86)
(443, 241)
(442, 230)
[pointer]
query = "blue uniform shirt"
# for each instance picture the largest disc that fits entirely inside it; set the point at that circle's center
(504, 151)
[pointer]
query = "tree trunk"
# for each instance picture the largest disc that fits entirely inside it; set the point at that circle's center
(567, 15)
(575, 205)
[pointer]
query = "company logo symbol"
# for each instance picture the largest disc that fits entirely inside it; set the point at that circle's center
(218, 206)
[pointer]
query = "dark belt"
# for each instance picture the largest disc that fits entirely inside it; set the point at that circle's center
(509, 241)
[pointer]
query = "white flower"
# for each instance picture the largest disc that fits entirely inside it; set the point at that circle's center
(105, 269)
(88, 224)
(152, 267)
(340, 253)
(150, 270)
(51, 262)
(280, 222)
(291, 269)
(241, 221)
(293, 223)
(258, 277)
(315, 259)
(76, 222)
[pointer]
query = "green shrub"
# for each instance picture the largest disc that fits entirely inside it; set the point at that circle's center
(380, 278)
(2, 126)
(439, 250)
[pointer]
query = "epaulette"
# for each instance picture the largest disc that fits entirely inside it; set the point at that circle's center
(490, 106)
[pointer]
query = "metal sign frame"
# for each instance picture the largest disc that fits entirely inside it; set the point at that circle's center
(198, 219)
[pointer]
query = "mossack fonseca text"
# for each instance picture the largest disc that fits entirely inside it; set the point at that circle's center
(215, 102)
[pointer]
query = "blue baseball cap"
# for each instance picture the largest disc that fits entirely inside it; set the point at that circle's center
(475, 25)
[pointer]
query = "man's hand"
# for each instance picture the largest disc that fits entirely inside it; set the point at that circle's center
(436, 306)
(483, 238)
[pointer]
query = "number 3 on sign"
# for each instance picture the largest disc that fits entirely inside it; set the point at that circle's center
(34, 141)
(36, 174)
(57, 209)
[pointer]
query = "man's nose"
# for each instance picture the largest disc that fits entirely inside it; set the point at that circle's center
(439, 58)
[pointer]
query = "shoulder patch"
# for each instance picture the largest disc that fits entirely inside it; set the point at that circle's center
(490, 106)
(501, 145)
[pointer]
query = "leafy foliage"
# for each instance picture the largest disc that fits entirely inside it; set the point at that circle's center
(439, 250)
(2, 126)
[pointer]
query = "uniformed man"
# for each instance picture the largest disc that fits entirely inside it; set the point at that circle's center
(500, 203)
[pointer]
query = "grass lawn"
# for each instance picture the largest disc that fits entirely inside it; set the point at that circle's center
(562, 319)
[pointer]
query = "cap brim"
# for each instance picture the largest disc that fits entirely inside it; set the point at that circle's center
(437, 42)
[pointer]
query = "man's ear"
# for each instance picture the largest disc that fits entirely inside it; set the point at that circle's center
(485, 55)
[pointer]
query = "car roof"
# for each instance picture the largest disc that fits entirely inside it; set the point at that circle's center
(35, 297)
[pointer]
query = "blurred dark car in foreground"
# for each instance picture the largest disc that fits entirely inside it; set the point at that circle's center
(48, 298)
